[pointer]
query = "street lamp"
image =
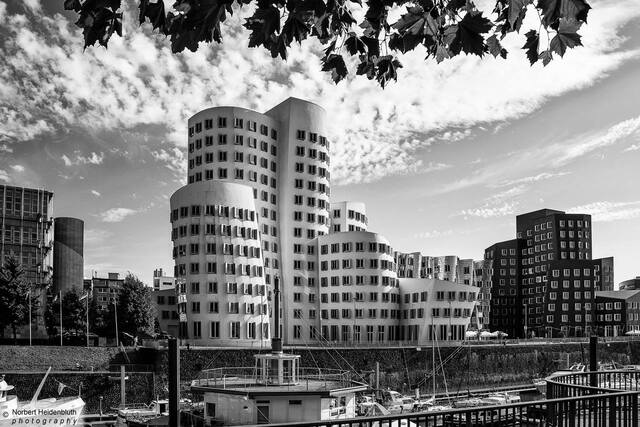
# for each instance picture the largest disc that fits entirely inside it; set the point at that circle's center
(115, 312)
(526, 321)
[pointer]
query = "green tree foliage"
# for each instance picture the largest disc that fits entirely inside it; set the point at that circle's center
(442, 28)
(74, 313)
(15, 293)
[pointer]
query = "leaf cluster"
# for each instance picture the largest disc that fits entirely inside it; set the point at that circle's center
(441, 28)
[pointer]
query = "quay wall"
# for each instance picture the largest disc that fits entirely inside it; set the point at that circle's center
(402, 369)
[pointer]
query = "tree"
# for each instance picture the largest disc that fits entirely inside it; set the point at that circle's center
(15, 295)
(442, 28)
(74, 313)
(135, 309)
(52, 315)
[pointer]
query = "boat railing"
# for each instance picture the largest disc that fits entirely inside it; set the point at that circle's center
(572, 384)
(233, 377)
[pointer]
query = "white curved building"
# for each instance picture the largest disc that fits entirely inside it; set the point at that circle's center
(348, 216)
(217, 252)
(255, 215)
(359, 290)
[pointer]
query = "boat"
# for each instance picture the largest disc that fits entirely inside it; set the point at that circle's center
(500, 398)
(63, 411)
(396, 403)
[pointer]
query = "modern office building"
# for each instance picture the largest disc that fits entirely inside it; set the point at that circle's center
(616, 312)
(25, 224)
(162, 281)
(501, 267)
(254, 218)
(104, 290)
(555, 274)
(68, 254)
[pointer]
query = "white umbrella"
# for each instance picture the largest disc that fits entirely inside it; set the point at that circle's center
(471, 334)
(486, 334)
(634, 332)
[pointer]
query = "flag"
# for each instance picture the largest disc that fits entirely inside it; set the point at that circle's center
(84, 296)
(61, 387)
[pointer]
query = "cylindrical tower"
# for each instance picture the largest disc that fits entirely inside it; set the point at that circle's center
(68, 254)
(217, 253)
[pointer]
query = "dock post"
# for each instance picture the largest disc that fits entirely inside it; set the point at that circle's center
(123, 393)
(174, 383)
(593, 360)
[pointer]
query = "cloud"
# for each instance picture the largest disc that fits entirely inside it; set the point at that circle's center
(489, 211)
(79, 159)
(4, 176)
(567, 152)
(95, 193)
(95, 236)
(433, 234)
(174, 159)
(634, 147)
(609, 211)
(532, 178)
(555, 155)
(4, 147)
(18, 168)
(499, 204)
(33, 5)
(375, 133)
(116, 214)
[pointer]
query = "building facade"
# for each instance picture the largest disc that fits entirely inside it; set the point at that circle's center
(165, 303)
(25, 224)
(254, 217)
(501, 266)
(68, 254)
(104, 290)
(555, 276)
(161, 281)
(617, 312)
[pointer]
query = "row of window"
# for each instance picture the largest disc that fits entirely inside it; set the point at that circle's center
(238, 157)
(213, 210)
(238, 140)
(238, 123)
(214, 230)
(253, 330)
(358, 247)
(232, 308)
(212, 249)
(360, 263)
(180, 270)
(359, 280)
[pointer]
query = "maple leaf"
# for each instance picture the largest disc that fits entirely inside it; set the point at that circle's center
(264, 23)
(354, 45)
(154, 12)
(546, 57)
(468, 36)
(562, 41)
(516, 13)
(387, 69)
(335, 64)
(495, 48)
(533, 40)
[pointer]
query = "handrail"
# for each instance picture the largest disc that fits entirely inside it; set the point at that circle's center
(364, 421)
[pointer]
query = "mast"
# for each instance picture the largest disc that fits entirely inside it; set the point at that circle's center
(433, 357)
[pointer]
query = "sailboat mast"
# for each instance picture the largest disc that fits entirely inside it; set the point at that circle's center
(433, 357)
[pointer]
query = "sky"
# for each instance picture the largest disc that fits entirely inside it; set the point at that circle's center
(444, 159)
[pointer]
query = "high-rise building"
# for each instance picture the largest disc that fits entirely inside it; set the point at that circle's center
(68, 254)
(501, 267)
(555, 274)
(254, 218)
(25, 224)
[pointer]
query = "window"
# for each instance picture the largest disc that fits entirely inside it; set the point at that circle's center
(301, 135)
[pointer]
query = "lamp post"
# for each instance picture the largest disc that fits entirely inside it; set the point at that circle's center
(115, 312)
(60, 303)
(526, 321)
(29, 296)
